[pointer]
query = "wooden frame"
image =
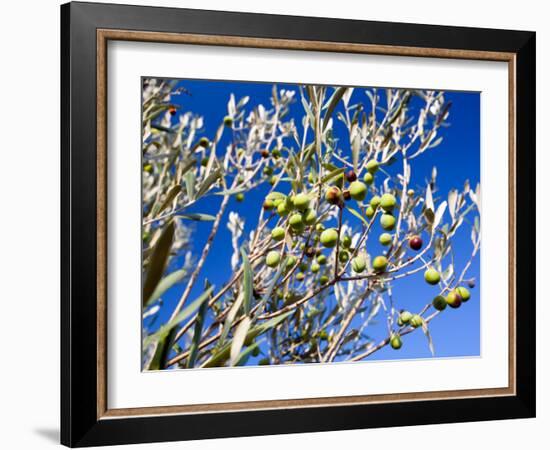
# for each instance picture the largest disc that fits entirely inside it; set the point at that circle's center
(86, 28)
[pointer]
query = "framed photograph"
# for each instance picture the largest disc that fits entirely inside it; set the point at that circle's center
(276, 224)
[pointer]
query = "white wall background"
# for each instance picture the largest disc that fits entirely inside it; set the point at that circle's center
(29, 223)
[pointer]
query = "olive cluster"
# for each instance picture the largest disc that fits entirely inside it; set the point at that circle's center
(453, 299)
(298, 216)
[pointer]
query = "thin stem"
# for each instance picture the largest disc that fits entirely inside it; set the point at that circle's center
(202, 259)
(332, 351)
(386, 341)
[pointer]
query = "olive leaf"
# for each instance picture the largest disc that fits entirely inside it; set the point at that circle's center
(221, 354)
(247, 282)
(358, 215)
(452, 199)
(170, 196)
(243, 356)
(158, 260)
(161, 350)
(208, 182)
(336, 96)
(229, 319)
(199, 217)
(231, 191)
(429, 198)
(231, 108)
(163, 338)
(428, 337)
(439, 214)
(163, 332)
(166, 283)
(309, 114)
(333, 175)
(275, 196)
(269, 290)
(194, 348)
(429, 205)
(355, 138)
(188, 165)
(189, 180)
(238, 340)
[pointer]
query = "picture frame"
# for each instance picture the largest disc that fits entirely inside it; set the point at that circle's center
(86, 29)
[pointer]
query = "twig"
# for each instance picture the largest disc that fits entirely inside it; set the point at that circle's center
(202, 260)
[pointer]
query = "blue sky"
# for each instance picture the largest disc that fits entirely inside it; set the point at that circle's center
(455, 332)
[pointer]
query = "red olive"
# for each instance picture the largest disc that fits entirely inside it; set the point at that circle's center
(415, 243)
(351, 176)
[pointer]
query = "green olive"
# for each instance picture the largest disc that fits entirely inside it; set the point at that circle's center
(329, 237)
(439, 303)
(380, 263)
(346, 241)
(321, 259)
(296, 222)
(359, 264)
(278, 234)
(301, 201)
(405, 316)
(416, 321)
(343, 256)
(388, 202)
(309, 217)
(358, 190)
(372, 166)
(385, 239)
(273, 259)
(283, 208)
(290, 261)
(464, 293)
(368, 178)
(375, 201)
(387, 221)
(395, 342)
(432, 276)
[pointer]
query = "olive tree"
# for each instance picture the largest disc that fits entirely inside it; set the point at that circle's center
(304, 285)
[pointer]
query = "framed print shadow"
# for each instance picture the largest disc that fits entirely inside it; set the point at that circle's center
(277, 224)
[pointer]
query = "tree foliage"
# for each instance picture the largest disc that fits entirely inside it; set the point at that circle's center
(304, 286)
